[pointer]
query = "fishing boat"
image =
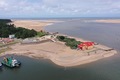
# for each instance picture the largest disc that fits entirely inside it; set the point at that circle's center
(11, 62)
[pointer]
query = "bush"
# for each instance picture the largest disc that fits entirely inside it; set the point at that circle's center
(69, 39)
(71, 42)
(61, 38)
(41, 33)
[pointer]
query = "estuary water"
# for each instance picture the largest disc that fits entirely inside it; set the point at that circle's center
(43, 69)
(104, 33)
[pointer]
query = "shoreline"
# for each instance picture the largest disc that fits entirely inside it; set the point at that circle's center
(37, 25)
(65, 59)
(60, 54)
(65, 63)
(61, 58)
(113, 21)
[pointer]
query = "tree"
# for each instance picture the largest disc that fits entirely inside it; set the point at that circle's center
(8, 29)
(71, 42)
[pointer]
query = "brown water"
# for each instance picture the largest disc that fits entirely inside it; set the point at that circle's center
(105, 69)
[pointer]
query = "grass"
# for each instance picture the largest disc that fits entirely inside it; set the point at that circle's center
(41, 33)
(11, 43)
(4, 50)
(71, 42)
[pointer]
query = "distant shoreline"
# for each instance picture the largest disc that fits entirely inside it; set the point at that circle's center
(106, 21)
(37, 25)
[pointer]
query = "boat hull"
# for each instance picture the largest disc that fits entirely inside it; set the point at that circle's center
(10, 66)
(0, 65)
(10, 62)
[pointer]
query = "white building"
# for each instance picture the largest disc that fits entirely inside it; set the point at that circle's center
(11, 36)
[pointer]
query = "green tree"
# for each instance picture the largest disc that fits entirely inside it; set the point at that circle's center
(7, 29)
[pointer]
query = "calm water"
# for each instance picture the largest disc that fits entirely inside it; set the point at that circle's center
(33, 69)
(105, 69)
(104, 33)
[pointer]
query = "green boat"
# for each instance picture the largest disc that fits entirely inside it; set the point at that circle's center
(11, 62)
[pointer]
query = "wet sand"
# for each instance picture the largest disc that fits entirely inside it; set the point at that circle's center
(60, 54)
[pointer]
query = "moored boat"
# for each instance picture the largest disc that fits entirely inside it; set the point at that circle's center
(0, 65)
(11, 62)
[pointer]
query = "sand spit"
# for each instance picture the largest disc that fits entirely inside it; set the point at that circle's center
(57, 52)
(34, 24)
(107, 21)
(60, 54)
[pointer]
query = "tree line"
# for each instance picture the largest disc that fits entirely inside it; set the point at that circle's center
(7, 29)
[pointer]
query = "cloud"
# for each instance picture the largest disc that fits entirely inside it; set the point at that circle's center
(58, 7)
(3, 5)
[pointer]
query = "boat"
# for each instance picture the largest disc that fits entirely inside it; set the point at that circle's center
(11, 62)
(0, 65)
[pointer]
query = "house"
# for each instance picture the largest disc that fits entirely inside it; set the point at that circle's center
(11, 36)
(86, 45)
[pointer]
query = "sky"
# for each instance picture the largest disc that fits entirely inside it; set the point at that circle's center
(59, 8)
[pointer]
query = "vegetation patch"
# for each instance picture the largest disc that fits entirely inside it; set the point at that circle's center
(71, 42)
(7, 29)
(41, 33)
(4, 50)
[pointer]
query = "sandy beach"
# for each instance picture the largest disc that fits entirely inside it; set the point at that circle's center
(108, 21)
(57, 52)
(34, 24)
(60, 54)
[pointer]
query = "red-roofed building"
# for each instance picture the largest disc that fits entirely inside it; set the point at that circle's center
(86, 45)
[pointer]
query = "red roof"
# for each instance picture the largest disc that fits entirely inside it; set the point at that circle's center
(86, 44)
